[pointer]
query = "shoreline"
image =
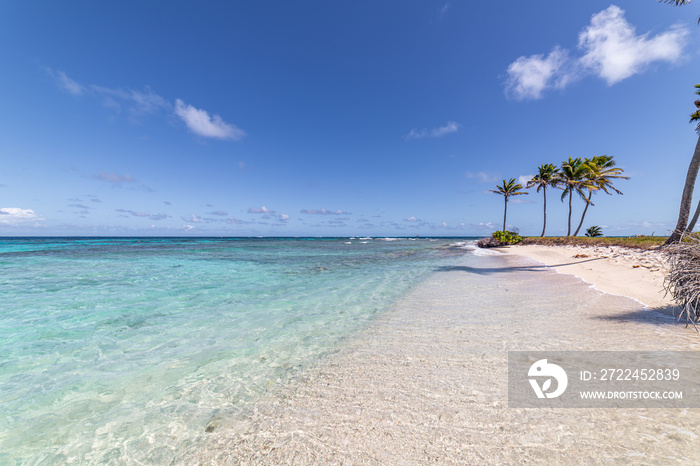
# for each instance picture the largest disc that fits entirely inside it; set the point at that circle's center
(634, 273)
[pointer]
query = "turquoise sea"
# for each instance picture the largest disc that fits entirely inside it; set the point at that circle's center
(126, 349)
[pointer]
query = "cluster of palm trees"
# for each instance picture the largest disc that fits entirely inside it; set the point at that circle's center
(582, 176)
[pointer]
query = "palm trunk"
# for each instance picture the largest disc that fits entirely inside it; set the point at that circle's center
(568, 232)
(544, 225)
(686, 197)
(588, 202)
(693, 220)
(505, 211)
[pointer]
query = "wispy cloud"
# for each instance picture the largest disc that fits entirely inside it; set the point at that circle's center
(223, 213)
(16, 215)
(84, 210)
(445, 8)
(236, 221)
(199, 122)
(134, 213)
(324, 212)
(66, 83)
(114, 178)
(136, 101)
(119, 181)
(450, 127)
(139, 102)
(484, 177)
(611, 50)
(260, 210)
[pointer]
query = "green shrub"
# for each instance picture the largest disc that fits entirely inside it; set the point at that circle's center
(507, 237)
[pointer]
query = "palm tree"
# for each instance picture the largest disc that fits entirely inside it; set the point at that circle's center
(509, 188)
(572, 178)
(687, 196)
(693, 118)
(601, 171)
(547, 176)
(594, 231)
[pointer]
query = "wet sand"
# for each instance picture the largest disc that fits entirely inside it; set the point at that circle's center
(426, 382)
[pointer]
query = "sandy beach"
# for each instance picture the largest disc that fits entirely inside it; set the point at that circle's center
(427, 381)
(636, 273)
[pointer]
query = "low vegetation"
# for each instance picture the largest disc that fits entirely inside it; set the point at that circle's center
(500, 238)
(637, 242)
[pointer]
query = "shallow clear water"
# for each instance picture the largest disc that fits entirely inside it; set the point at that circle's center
(128, 348)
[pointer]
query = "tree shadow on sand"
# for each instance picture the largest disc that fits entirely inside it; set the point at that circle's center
(660, 316)
(521, 268)
(666, 315)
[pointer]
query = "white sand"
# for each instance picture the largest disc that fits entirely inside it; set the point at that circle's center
(635, 273)
(427, 382)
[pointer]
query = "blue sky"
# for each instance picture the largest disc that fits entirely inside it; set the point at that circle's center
(322, 118)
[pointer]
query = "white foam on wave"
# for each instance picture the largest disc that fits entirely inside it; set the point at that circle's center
(473, 248)
(485, 252)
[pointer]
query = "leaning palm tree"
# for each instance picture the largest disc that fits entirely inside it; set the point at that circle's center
(687, 196)
(507, 189)
(547, 176)
(572, 177)
(601, 171)
(693, 118)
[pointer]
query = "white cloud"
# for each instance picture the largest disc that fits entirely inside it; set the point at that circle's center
(614, 52)
(524, 179)
(324, 212)
(283, 217)
(134, 213)
(529, 76)
(261, 210)
(199, 122)
(450, 127)
(236, 221)
(15, 215)
(138, 102)
(410, 219)
(611, 50)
